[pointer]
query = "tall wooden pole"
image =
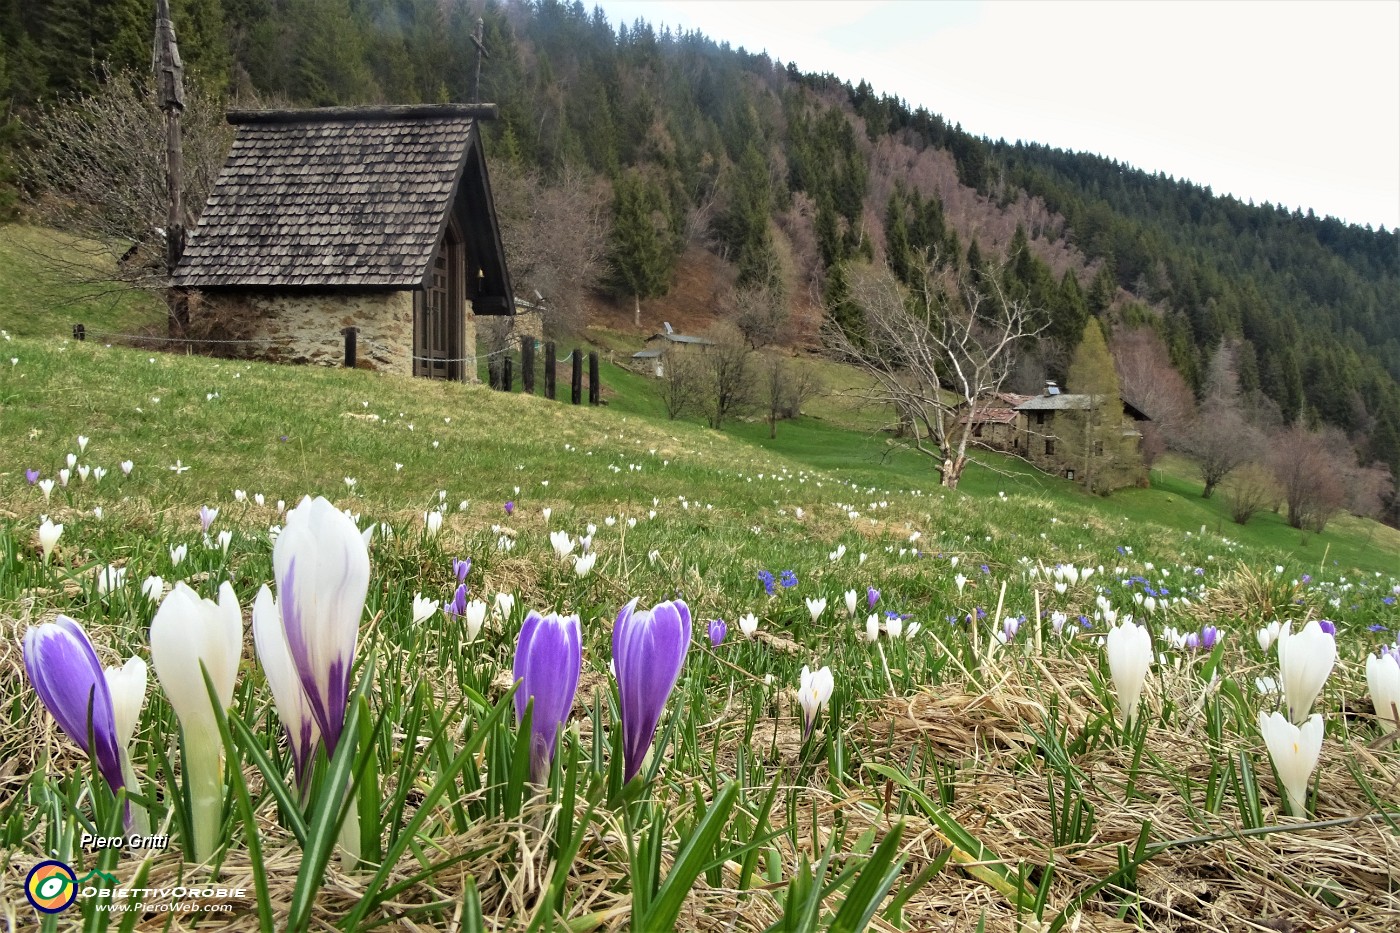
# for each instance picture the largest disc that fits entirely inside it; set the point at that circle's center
(170, 86)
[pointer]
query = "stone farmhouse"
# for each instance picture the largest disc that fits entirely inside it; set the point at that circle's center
(377, 218)
(1049, 430)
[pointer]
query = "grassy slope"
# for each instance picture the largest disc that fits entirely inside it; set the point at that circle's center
(838, 436)
(286, 431)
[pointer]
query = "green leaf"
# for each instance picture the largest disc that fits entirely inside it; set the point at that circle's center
(666, 906)
(876, 877)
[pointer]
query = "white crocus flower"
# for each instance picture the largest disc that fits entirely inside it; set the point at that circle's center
(475, 618)
(505, 604)
(1305, 660)
(433, 523)
(960, 580)
(872, 628)
(1383, 677)
(46, 485)
(110, 578)
(851, 599)
(816, 607)
(562, 542)
(153, 588)
(894, 625)
(813, 693)
(1294, 750)
(584, 564)
(1129, 649)
(189, 637)
(49, 533)
(177, 554)
(748, 624)
(423, 608)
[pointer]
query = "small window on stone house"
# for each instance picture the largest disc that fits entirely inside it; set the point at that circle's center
(1049, 447)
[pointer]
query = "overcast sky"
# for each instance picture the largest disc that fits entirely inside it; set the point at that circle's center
(1297, 103)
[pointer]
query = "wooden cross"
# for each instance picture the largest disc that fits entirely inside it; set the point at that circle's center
(481, 53)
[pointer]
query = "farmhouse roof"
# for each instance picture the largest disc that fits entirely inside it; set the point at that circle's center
(647, 354)
(681, 338)
(347, 197)
(1066, 402)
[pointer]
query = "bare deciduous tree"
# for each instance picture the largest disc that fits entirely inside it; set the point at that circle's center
(935, 352)
(760, 314)
(554, 232)
(726, 377)
(1249, 489)
(786, 386)
(1310, 469)
(1221, 438)
(679, 383)
(1151, 383)
(97, 169)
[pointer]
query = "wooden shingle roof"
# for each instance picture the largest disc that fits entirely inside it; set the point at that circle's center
(334, 198)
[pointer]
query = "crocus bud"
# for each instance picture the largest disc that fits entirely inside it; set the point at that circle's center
(474, 615)
(548, 659)
(1294, 750)
(1383, 677)
(1305, 660)
(191, 636)
(188, 631)
(49, 534)
(321, 566)
(718, 629)
(1129, 650)
(64, 670)
(851, 603)
(649, 650)
(813, 693)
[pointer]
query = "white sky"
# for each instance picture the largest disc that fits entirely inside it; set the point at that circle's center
(1296, 103)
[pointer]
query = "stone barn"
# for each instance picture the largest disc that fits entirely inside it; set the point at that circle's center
(377, 218)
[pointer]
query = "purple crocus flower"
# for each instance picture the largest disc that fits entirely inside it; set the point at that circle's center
(31, 476)
(206, 517)
(648, 652)
(461, 568)
(458, 607)
(548, 658)
(510, 508)
(872, 596)
(717, 632)
(1210, 635)
(1329, 627)
(65, 672)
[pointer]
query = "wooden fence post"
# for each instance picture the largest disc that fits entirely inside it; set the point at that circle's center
(351, 335)
(576, 392)
(594, 389)
(493, 372)
(527, 365)
(507, 374)
(550, 366)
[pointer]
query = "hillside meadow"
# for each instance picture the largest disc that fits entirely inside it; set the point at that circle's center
(971, 766)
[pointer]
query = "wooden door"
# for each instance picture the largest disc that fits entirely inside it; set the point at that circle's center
(437, 331)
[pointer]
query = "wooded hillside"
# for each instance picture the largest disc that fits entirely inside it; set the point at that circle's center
(790, 177)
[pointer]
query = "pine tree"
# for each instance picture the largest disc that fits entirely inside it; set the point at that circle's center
(641, 252)
(1106, 455)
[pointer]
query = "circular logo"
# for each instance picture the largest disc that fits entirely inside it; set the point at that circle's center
(51, 887)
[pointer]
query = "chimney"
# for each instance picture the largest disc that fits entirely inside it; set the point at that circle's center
(1051, 388)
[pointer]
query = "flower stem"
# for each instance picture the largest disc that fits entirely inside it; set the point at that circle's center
(139, 821)
(204, 772)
